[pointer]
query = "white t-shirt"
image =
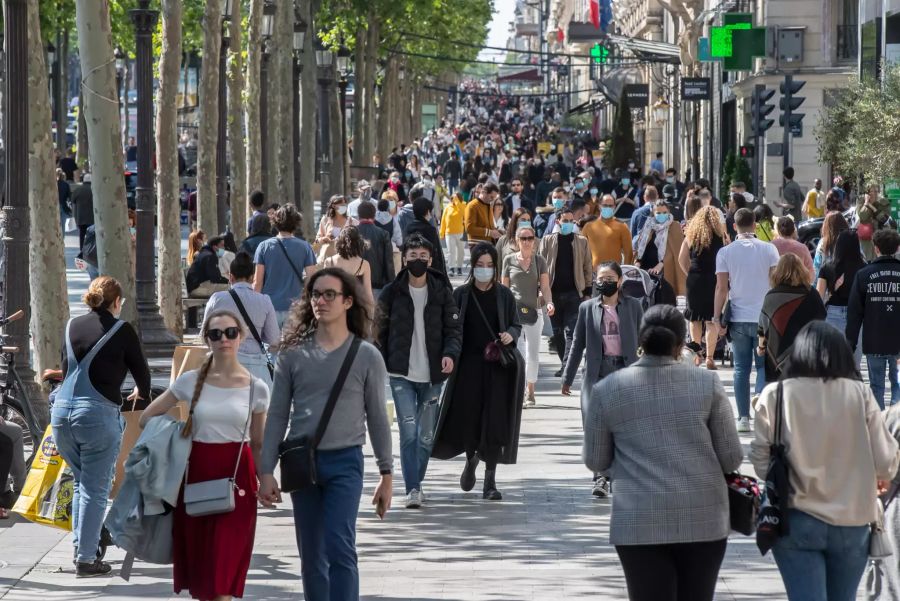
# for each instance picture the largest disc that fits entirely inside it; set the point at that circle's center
(419, 371)
(747, 262)
(220, 413)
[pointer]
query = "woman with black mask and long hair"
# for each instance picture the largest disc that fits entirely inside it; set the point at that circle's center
(482, 404)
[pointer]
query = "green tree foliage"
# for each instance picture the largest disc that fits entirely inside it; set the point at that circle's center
(857, 133)
(727, 174)
(623, 148)
(743, 173)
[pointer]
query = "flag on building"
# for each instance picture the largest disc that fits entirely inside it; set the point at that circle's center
(595, 13)
(560, 36)
(601, 13)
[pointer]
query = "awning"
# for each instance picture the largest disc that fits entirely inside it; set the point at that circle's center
(512, 74)
(591, 106)
(647, 49)
(615, 80)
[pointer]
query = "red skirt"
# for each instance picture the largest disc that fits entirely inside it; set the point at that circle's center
(212, 553)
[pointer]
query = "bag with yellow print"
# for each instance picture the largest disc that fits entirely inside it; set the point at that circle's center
(46, 497)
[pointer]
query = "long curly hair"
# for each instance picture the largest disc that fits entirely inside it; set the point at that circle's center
(301, 323)
(834, 224)
(702, 227)
(350, 243)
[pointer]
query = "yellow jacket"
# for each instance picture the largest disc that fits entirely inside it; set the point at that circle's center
(452, 218)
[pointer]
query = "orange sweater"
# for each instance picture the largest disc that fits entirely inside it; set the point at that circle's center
(479, 221)
(610, 240)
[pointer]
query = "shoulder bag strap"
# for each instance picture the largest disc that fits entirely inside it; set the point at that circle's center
(247, 320)
(336, 391)
(484, 317)
(288, 257)
(237, 463)
(779, 411)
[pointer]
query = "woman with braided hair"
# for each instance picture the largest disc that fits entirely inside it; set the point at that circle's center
(212, 552)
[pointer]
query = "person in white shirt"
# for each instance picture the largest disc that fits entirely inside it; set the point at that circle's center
(365, 195)
(742, 275)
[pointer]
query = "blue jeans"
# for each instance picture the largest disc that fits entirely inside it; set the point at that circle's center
(417, 405)
(88, 435)
(325, 525)
(744, 340)
(819, 561)
(837, 317)
(877, 365)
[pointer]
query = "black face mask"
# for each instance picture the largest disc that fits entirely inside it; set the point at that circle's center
(417, 267)
(607, 288)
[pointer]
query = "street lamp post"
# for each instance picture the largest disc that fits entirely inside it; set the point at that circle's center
(157, 340)
(343, 67)
(16, 292)
(324, 58)
(268, 23)
(120, 74)
(300, 28)
(53, 63)
(221, 145)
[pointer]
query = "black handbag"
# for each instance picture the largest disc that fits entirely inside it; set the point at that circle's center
(527, 315)
(495, 351)
(773, 518)
(743, 502)
(298, 455)
(253, 332)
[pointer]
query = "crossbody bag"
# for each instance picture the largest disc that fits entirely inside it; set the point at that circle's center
(253, 331)
(211, 497)
(298, 455)
(495, 351)
(290, 262)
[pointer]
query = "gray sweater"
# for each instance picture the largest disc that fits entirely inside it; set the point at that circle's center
(304, 376)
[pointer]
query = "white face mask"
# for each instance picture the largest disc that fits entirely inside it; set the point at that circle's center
(341, 210)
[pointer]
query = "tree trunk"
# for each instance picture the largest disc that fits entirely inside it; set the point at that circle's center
(82, 158)
(282, 68)
(251, 114)
(308, 126)
(105, 139)
(361, 96)
(338, 141)
(368, 115)
(168, 231)
(49, 296)
(207, 218)
(235, 131)
(272, 125)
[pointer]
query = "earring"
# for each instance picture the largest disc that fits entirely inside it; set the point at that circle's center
(640, 351)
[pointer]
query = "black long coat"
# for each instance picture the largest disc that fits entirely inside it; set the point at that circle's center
(446, 447)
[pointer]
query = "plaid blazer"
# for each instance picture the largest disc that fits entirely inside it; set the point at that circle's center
(664, 431)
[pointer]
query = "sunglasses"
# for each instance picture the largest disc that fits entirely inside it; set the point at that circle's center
(526, 238)
(230, 333)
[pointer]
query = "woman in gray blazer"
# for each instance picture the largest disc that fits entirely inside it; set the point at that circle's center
(665, 432)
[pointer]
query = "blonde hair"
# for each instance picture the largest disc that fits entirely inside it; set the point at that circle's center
(789, 271)
(702, 227)
(195, 243)
(204, 369)
(389, 195)
(102, 293)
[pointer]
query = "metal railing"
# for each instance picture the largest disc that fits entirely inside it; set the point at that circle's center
(847, 42)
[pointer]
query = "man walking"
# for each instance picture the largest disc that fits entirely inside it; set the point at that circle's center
(479, 218)
(420, 337)
(83, 207)
(516, 199)
(792, 195)
(787, 242)
(568, 260)
(742, 277)
(609, 238)
(874, 306)
(378, 252)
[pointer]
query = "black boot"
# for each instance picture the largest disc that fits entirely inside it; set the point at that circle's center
(467, 480)
(490, 487)
(94, 568)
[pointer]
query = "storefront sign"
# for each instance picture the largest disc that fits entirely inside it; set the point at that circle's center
(695, 88)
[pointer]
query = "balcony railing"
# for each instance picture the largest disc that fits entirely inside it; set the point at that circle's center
(847, 42)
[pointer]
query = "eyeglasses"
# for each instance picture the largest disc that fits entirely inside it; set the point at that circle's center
(328, 295)
(526, 238)
(230, 333)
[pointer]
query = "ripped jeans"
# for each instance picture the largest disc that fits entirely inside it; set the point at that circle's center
(417, 405)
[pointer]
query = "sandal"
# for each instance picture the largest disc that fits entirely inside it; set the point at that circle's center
(711, 364)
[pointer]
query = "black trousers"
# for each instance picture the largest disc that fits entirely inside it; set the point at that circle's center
(675, 572)
(563, 320)
(82, 230)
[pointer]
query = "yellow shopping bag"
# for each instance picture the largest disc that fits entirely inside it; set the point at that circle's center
(46, 497)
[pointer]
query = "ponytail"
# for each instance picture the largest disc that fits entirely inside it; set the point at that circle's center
(198, 388)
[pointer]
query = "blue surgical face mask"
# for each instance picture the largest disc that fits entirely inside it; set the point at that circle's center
(558, 203)
(607, 212)
(483, 274)
(220, 252)
(662, 217)
(594, 191)
(566, 228)
(524, 223)
(392, 205)
(133, 231)
(626, 182)
(579, 185)
(670, 179)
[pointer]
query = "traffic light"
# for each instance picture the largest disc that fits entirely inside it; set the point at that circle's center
(748, 151)
(759, 110)
(790, 103)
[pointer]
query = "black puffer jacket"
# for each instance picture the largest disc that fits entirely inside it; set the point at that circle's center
(443, 330)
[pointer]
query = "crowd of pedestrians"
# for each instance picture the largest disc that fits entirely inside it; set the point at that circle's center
(305, 338)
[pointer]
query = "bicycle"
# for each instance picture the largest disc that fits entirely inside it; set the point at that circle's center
(15, 406)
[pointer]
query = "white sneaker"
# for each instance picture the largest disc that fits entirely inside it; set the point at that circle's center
(743, 424)
(413, 499)
(421, 494)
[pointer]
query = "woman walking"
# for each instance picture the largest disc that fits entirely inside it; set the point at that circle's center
(765, 223)
(838, 447)
(832, 227)
(350, 247)
(507, 244)
(657, 247)
(86, 419)
(452, 231)
(226, 421)
(703, 237)
(327, 324)
(333, 221)
(787, 307)
(666, 430)
(482, 404)
(835, 281)
(525, 273)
